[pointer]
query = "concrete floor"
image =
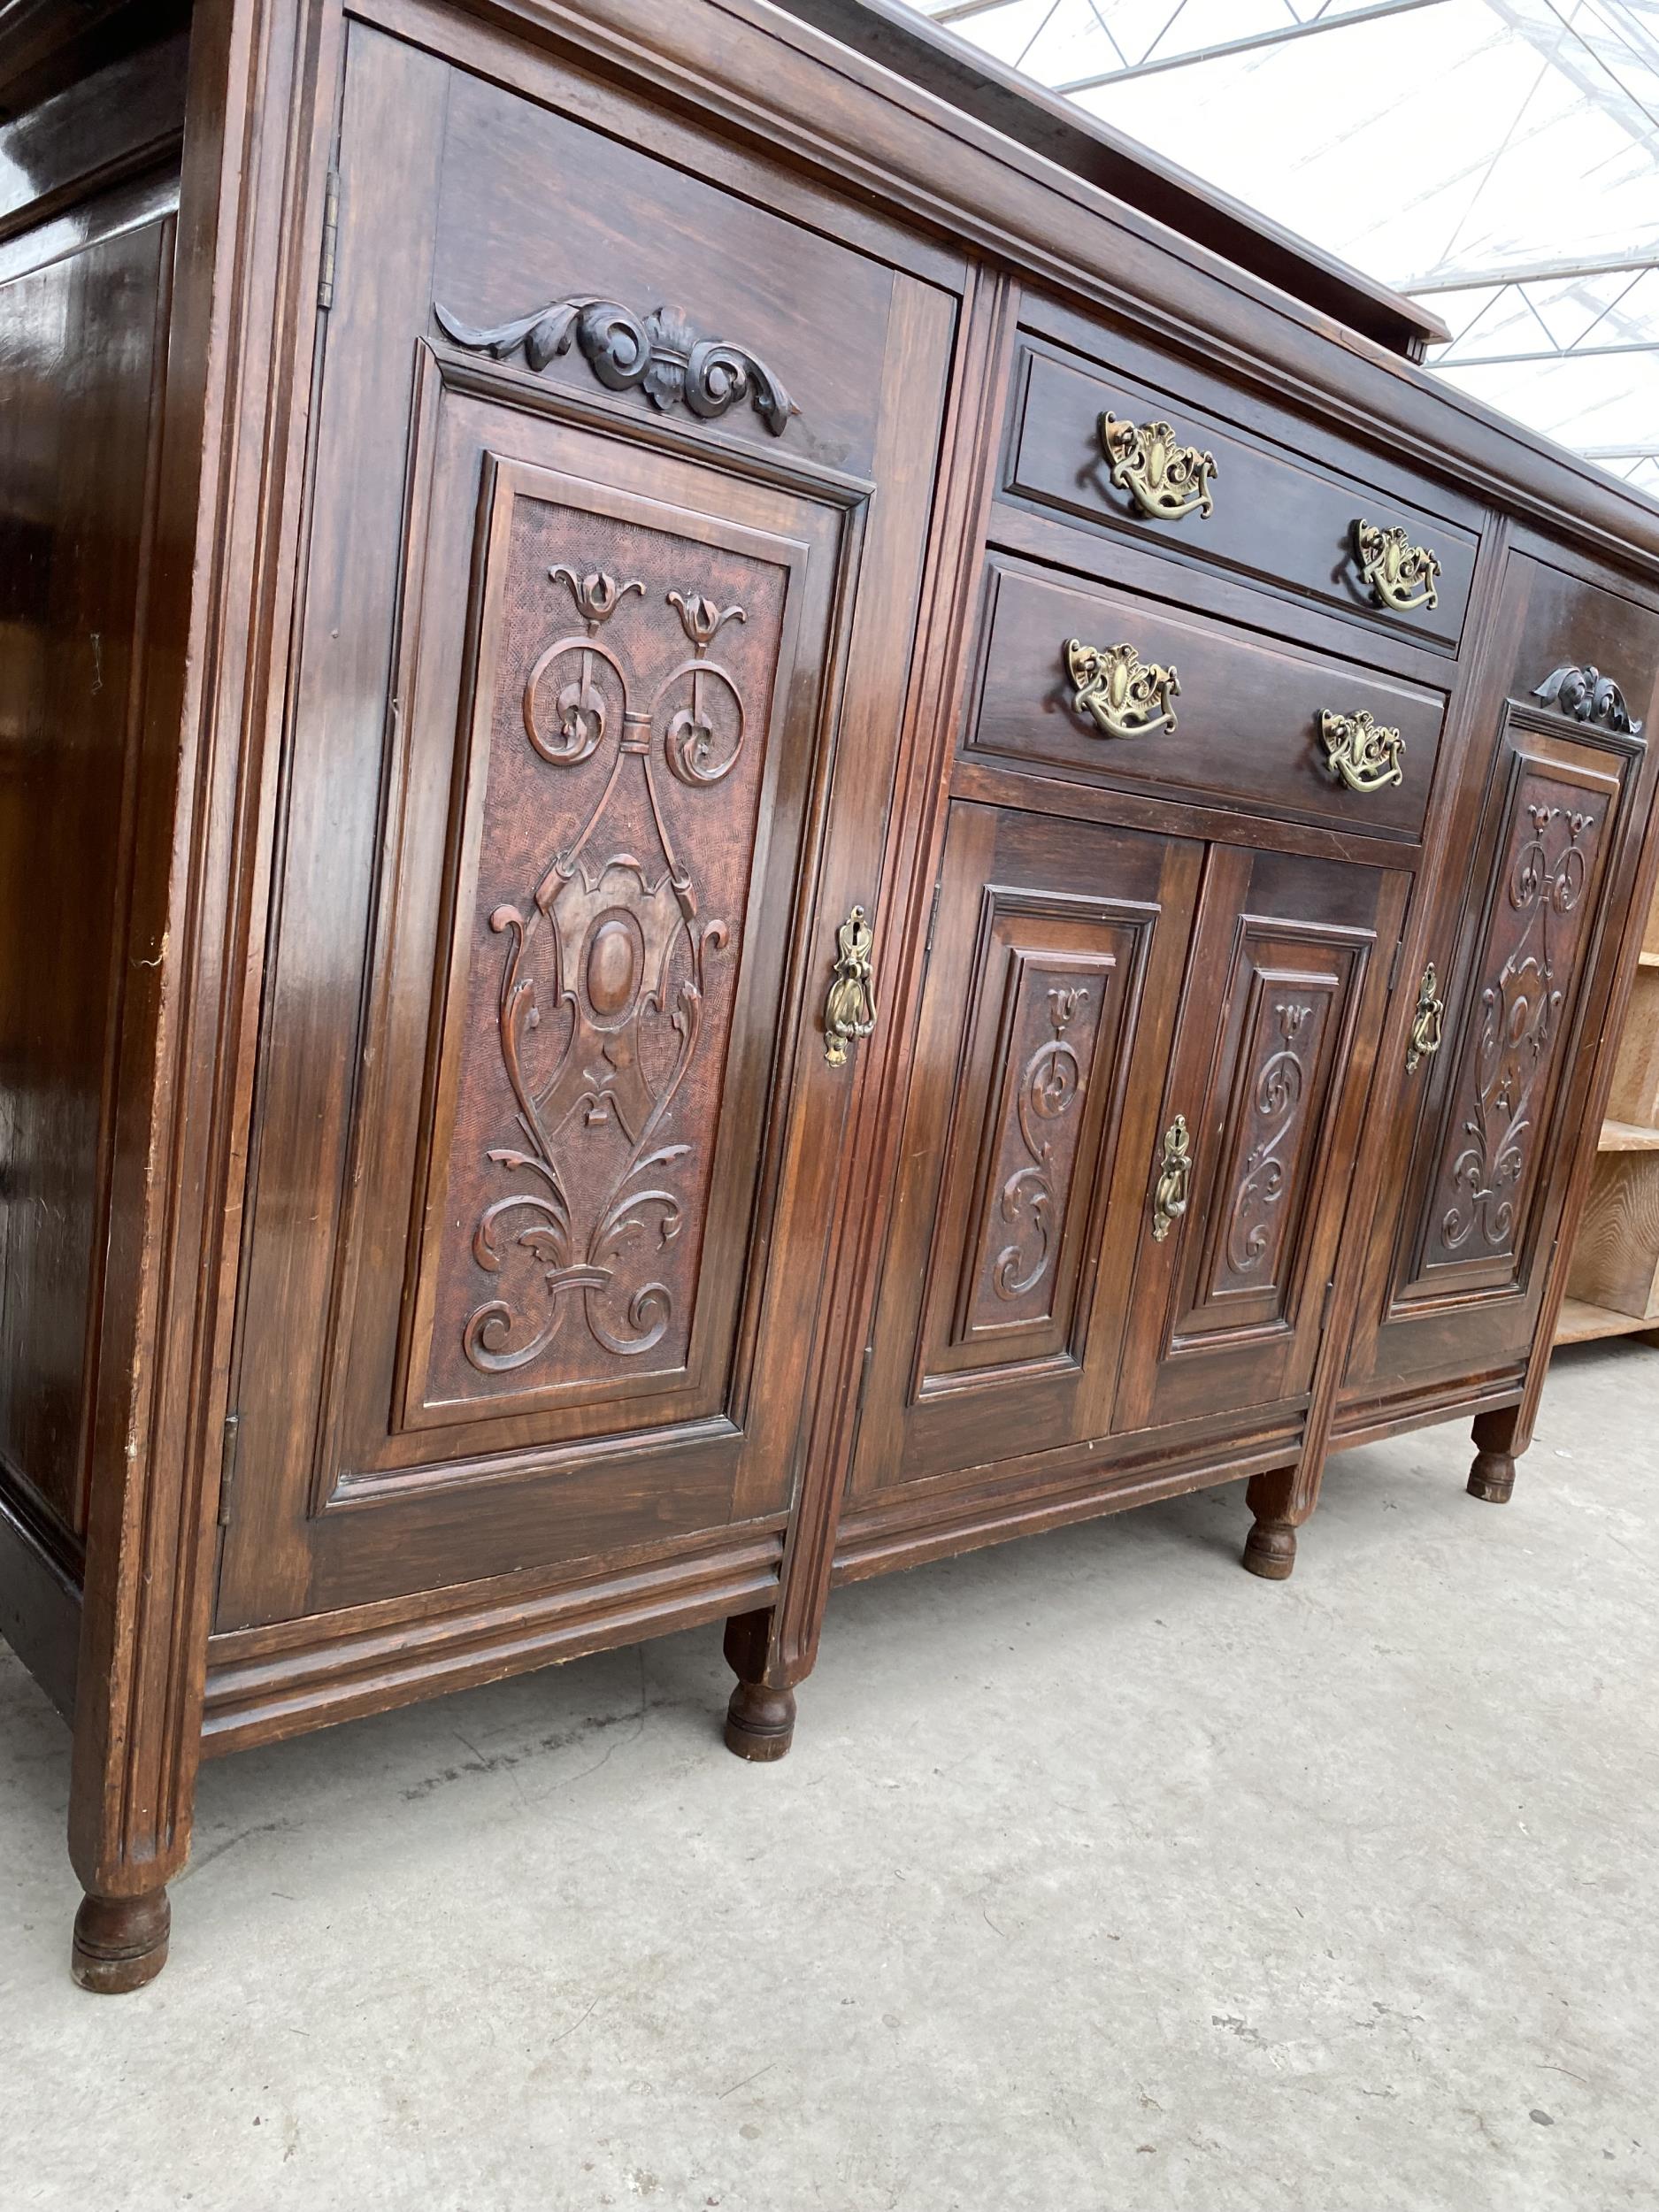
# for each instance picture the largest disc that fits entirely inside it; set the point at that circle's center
(1102, 1877)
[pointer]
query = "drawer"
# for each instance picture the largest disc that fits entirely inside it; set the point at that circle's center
(1267, 504)
(1242, 720)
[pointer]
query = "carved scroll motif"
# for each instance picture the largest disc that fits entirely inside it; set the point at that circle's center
(612, 949)
(1280, 1089)
(658, 353)
(1518, 1017)
(1588, 696)
(1050, 1086)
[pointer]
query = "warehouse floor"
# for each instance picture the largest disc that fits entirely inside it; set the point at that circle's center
(1102, 1877)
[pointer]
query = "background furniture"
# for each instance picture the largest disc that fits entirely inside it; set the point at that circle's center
(1613, 1282)
(750, 832)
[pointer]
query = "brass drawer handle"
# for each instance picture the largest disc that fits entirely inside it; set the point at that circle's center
(1428, 1024)
(1360, 752)
(1165, 478)
(1400, 575)
(1122, 696)
(849, 1010)
(1175, 1175)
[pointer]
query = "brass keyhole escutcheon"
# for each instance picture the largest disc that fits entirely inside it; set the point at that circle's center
(849, 1010)
(1175, 1175)
(1428, 1024)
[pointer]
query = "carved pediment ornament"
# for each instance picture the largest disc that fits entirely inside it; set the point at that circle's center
(658, 353)
(1588, 696)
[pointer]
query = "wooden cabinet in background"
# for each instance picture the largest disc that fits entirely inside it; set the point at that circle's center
(1613, 1275)
(718, 878)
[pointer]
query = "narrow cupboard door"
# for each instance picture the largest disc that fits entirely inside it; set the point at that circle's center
(1044, 1037)
(1245, 1188)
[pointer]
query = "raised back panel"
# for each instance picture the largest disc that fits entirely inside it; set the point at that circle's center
(620, 722)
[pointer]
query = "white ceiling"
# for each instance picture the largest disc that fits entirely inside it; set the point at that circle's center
(1497, 158)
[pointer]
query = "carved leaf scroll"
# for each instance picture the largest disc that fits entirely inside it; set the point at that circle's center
(658, 353)
(1049, 1088)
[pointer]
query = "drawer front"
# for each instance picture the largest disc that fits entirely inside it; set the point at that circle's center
(1247, 724)
(1231, 494)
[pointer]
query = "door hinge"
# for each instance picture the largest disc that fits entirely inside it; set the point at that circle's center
(228, 1465)
(933, 919)
(331, 241)
(864, 1381)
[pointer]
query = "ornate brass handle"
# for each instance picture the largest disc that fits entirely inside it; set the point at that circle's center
(1428, 1023)
(1360, 752)
(1175, 1175)
(1122, 696)
(1165, 478)
(1400, 575)
(849, 1010)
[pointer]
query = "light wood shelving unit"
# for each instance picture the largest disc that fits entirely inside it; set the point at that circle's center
(1613, 1289)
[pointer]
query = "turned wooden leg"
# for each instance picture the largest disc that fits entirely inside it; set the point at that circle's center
(1492, 1477)
(1269, 1549)
(120, 1942)
(760, 1719)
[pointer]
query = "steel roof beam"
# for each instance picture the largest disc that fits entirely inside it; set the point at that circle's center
(1255, 40)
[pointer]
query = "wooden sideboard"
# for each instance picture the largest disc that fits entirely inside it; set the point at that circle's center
(762, 813)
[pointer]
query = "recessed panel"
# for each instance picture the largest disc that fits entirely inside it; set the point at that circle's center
(619, 722)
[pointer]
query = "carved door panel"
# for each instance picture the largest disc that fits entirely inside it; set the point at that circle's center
(1243, 1203)
(1044, 1032)
(1474, 1179)
(594, 733)
(1463, 1240)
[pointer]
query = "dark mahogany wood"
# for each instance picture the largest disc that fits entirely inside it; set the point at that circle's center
(121, 1942)
(594, 1035)
(1269, 1549)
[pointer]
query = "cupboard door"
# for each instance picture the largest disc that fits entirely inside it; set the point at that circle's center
(1479, 1147)
(1043, 1037)
(592, 741)
(1243, 1203)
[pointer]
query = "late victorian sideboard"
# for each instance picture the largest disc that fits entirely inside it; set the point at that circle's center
(761, 813)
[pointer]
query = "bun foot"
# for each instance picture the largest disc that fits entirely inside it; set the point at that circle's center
(1492, 1476)
(120, 1942)
(759, 1721)
(1270, 1550)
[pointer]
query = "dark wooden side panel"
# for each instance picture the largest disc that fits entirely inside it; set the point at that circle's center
(81, 345)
